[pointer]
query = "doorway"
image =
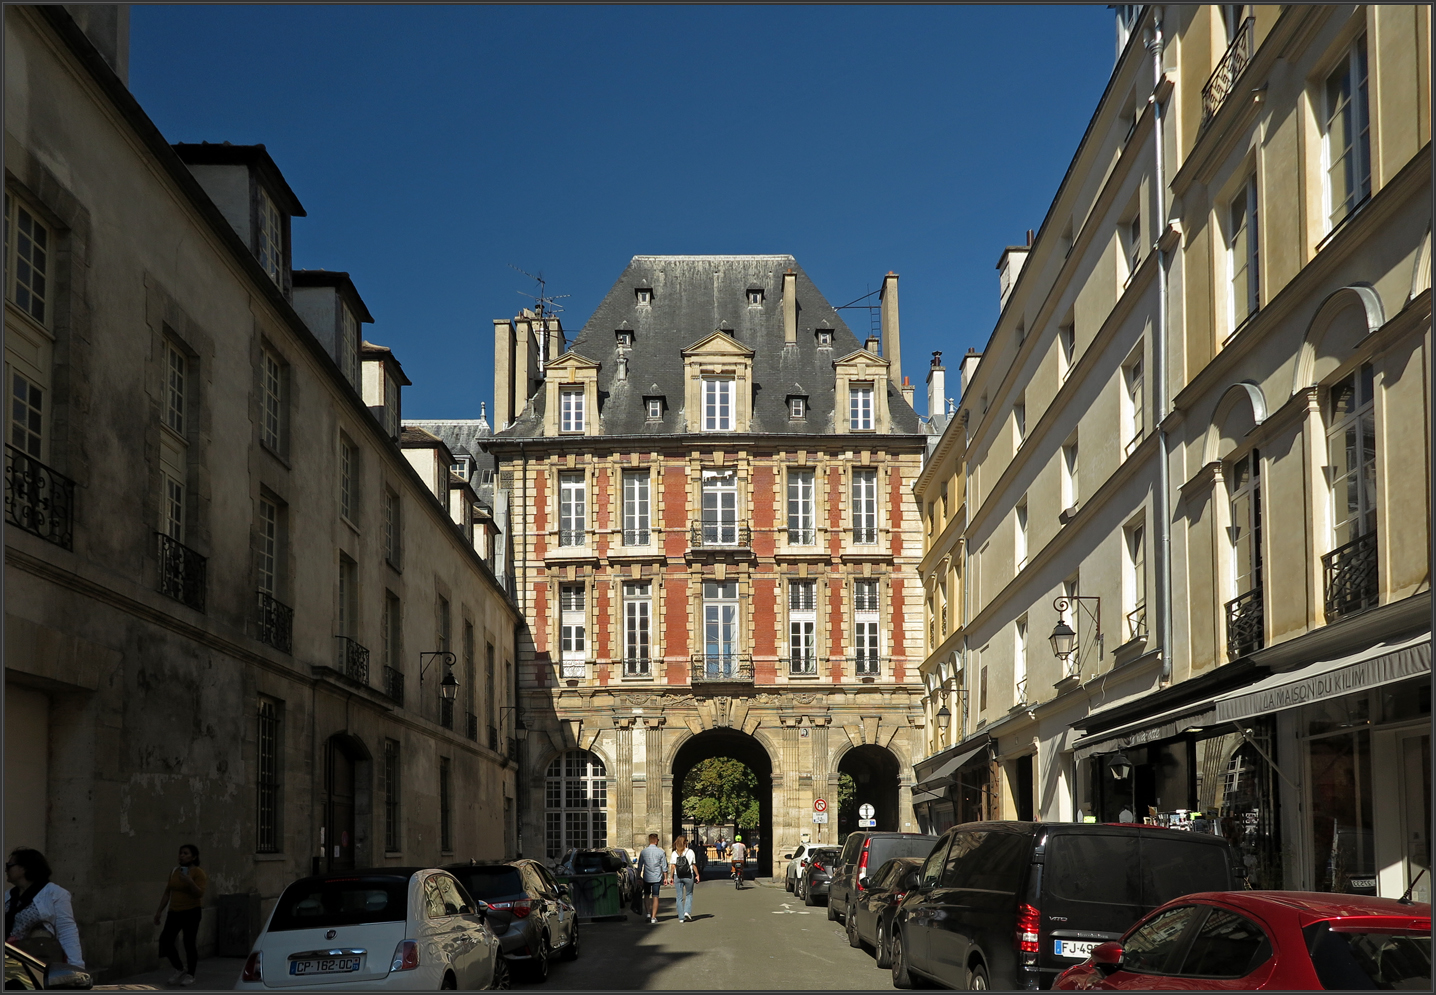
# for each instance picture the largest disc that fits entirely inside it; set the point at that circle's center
(343, 759)
(745, 750)
(875, 773)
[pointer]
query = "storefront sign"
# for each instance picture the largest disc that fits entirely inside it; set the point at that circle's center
(1294, 689)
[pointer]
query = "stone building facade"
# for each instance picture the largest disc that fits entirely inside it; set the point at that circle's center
(224, 577)
(715, 547)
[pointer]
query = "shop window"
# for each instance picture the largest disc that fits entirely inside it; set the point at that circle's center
(1342, 854)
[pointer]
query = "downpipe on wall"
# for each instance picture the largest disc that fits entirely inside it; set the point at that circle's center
(1163, 516)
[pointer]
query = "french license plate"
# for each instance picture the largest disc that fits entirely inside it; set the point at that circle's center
(1073, 948)
(325, 965)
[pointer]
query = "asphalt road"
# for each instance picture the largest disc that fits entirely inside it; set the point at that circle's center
(760, 937)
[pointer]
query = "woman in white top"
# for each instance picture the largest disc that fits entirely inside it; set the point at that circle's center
(34, 901)
(683, 863)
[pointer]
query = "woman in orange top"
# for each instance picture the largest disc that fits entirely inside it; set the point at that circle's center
(184, 894)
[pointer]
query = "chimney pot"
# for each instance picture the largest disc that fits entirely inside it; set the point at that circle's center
(891, 337)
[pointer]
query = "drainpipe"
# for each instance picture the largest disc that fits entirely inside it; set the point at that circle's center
(1159, 361)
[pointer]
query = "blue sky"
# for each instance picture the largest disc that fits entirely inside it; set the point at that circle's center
(433, 146)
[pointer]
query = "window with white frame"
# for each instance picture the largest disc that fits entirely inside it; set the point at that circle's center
(573, 629)
(718, 404)
(624, 338)
(797, 407)
(272, 426)
(1070, 492)
(1019, 662)
(392, 415)
(720, 629)
(27, 415)
(720, 508)
(1351, 453)
(802, 517)
(570, 410)
(1134, 404)
(825, 338)
(174, 445)
(866, 662)
(655, 408)
(1348, 135)
(1066, 347)
(1020, 532)
(1019, 421)
(1242, 254)
(1244, 486)
(1134, 244)
(391, 627)
(644, 296)
(635, 508)
(27, 260)
(348, 348)
(348, 478)
(270, 237)
(865, 507)
(860, 407)
(1136, 585)
(268, 545)
(176, 380)
(348, 614)
(575, 804)
(391, 527)
(637, 621)
(572, 509)
(172, 506)
(802, 628)
(755, 298)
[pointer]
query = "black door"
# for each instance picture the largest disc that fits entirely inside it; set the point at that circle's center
(339, 821)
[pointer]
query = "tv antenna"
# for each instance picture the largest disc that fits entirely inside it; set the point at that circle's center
(544, 303)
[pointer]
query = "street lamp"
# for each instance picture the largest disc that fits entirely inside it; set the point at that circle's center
(944, 720)
(1120, 767)
(1064, 637)
(449, 686)
(1064, 640)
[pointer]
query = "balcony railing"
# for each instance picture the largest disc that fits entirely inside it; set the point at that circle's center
(394, 685)
(637, 666)
(802, 665)
(572, 537)
(352, 659)
(802, 537)
(722, 668)
(864, 536)
(472, 727)
(276, 623)
(866, 665)
(1229, 70)
(1245, 631)
(182, 572)
(493, 739)
(38, 499)
(1137, 623)
(637, 537)
(1351, 579)
(721, 536)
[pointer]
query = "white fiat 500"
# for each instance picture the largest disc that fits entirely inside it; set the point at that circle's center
(399, 929)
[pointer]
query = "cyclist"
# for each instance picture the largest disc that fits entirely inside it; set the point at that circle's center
(738, 853)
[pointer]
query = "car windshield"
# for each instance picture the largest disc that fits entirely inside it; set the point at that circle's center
(825, 857)
(324, 902)
(487, 883)
(1357, 959)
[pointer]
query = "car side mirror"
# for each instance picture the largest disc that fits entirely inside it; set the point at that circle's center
(1107, 957)
(68, 976)
(787, 856)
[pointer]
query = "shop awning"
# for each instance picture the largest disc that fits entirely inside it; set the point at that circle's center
(1383, 663)
(923, 797)
(943, 776)
(1163, 725)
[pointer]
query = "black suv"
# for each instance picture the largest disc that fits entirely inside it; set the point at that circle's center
(531, 913)
(1012, 904)
(863, 853)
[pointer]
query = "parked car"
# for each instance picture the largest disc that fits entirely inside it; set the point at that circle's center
(603, 861)
(1012, 904)
(528, 910)
(26, 972)
(630, 865)
(1245, 940)
(818, 875)
(400, 929)
(870, 916)
(866, 851)
(797, 858)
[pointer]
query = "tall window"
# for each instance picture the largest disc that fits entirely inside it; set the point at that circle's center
(802, 627)
(391, 796)
(268, 545)
(444, 622)
(1066, 347)
(27, 260)
(860, 407)
(575, 803)
(1019, 663)
(720, 508)
(348, 599)
(570, 410)
(470, 680)
(635, 508)
(176, 371)
(718, 404)
(1351, 449)
(802, 518)
(491, 701)
(391, 527)
(267, 778)
(637, 616)
(1134, 244)
(348, 478)
(1348, 135)
(1020, 529)
(1245, 488)
(1136, 427)
(27, 415)
(865, 628)
(271, 237)
(573, 629)
(1019, 421)
(572, 509)
(720, 628)
(865, 507)
(1242, 254)
(392, 413)
(272, 373)
(446, 822)
(348, 345)
(1070, 493)
(393, 628)
(1136, 541)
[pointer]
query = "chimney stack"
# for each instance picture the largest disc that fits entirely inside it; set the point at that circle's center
(936, 386)
(1009, 265)
(503, 373)
(874, 345)
(907, 390)
(790, 308)
(892, 344)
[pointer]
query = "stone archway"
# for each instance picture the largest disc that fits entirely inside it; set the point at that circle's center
(876, 773)
(729, 742)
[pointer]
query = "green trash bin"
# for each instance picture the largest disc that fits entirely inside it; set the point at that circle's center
(595, 896)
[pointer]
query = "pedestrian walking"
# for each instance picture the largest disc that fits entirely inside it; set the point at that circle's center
(39, 916)
(653, 866)
(683, 866)
(184, 894)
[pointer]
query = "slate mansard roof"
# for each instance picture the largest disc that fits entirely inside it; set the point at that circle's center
(692, 297)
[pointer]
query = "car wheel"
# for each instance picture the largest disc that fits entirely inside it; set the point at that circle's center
(901, 977)
(977, 979)
(538, 965)
(808, 898)
(450, 983)
(500, 982)
(570, 952)
(833, 910)
(788, 882)
(880, 949)
(854, 940)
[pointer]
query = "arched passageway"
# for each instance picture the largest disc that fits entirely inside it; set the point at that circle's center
(875, 773)
(746, 750)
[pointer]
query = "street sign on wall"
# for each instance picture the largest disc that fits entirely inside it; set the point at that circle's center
(867, 823)
(821, 817)
(821, 805)
(866, 811)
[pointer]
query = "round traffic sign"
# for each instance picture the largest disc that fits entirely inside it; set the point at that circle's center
(821, 805)
(865, 810)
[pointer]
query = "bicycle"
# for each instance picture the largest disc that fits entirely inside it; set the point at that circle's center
(737, 874)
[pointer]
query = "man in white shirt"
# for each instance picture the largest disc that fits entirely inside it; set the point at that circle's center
(739, 853)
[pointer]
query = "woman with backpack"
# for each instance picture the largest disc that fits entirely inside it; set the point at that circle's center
(39, 917)
(684, 862)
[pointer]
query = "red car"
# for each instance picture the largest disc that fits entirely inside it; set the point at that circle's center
(1248, 940)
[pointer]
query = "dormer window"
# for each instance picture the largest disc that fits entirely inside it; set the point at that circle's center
(571, 410)
(755, 297)
(797, 407)
(270, 238)
(624, 337)
(860, 407)
(718, 398)
(645, 296)
(461, 467)
(825, 338)
(654, 406)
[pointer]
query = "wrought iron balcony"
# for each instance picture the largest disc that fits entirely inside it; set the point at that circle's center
(710, 536)
(865, 536)
(637, 666)
(394, 685)
(472, 729)
(1229, 70)
(276, 623)
(637, 537)
(572, 537)
(802, 665)
(1351, 578)
(1137, 623)
(182, 573)
(722, 668)
(866, 665)
(38, 499)
(802, 537)
(1244, 624)
(352, 660)
(493, 739)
